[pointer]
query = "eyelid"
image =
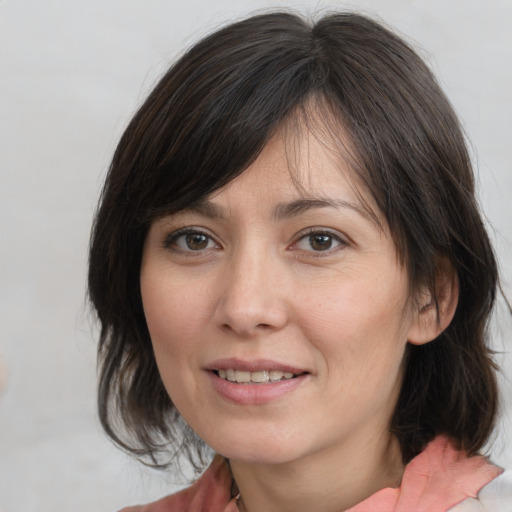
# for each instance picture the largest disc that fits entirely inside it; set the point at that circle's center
(171, 238)
(317, 230)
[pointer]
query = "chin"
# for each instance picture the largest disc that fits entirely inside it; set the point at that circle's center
(262, 456)
(270, 449)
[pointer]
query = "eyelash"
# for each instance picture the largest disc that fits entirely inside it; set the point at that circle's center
(312, 232)
(171, 240)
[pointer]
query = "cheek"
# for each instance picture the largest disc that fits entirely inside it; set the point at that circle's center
(172, 322)
(362, 327)
(171, 326)
(174, 311)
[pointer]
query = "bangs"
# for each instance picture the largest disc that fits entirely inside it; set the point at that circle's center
(213, 112)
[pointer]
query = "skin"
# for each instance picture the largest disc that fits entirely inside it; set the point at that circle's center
(258, 286)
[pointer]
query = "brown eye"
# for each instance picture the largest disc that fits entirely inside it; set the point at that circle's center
(319, 241)
(196, 241)
(189, 240)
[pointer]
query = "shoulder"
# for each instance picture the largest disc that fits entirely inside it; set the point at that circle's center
(496, 496)
(211, 493)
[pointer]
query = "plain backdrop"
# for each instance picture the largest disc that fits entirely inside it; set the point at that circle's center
(71, 75)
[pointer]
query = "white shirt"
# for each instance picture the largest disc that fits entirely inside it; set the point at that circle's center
(496, 496)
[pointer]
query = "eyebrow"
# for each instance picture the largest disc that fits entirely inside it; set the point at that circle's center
(299, 206)
(282, 211)
(206, 208)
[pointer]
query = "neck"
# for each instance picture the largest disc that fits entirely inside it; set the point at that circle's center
(329, 481)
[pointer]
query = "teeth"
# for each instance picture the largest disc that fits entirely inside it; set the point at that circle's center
(275, 375)
(241, 376)
(244, 377)
(259, 376)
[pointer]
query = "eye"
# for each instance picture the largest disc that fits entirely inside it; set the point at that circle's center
(189, 240)
(319, 241)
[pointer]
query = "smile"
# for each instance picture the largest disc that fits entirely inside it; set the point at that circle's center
(256, 385)
(259, 377)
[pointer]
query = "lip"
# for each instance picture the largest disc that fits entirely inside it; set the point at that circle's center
(257, 365)
(254, 394)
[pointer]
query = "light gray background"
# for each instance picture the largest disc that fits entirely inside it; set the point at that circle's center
(71, 75)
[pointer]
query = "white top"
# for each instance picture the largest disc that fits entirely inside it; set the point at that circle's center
(496, 496)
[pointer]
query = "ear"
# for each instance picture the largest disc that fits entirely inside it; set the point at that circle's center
(435, 308)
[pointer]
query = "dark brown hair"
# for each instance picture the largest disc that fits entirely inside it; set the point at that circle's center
(207, 120)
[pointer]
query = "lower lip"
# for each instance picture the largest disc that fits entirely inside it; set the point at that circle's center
(253, 394)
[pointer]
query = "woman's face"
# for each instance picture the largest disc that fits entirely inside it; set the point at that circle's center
(278, 310)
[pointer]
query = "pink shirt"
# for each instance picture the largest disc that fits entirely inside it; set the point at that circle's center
(434, 481)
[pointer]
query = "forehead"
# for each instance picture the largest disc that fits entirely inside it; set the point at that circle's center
(304, 161)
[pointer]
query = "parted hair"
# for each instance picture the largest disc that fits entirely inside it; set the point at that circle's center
(209, 117)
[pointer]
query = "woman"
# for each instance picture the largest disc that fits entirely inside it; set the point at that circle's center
(289, 266)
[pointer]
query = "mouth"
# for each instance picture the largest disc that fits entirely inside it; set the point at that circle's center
(257, 377)
(255, 382)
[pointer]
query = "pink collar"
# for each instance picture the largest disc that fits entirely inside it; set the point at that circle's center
(434, 481)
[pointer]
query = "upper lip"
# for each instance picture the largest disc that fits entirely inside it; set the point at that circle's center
(257, 365)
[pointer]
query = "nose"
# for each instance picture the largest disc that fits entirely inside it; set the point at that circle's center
(252, 299)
